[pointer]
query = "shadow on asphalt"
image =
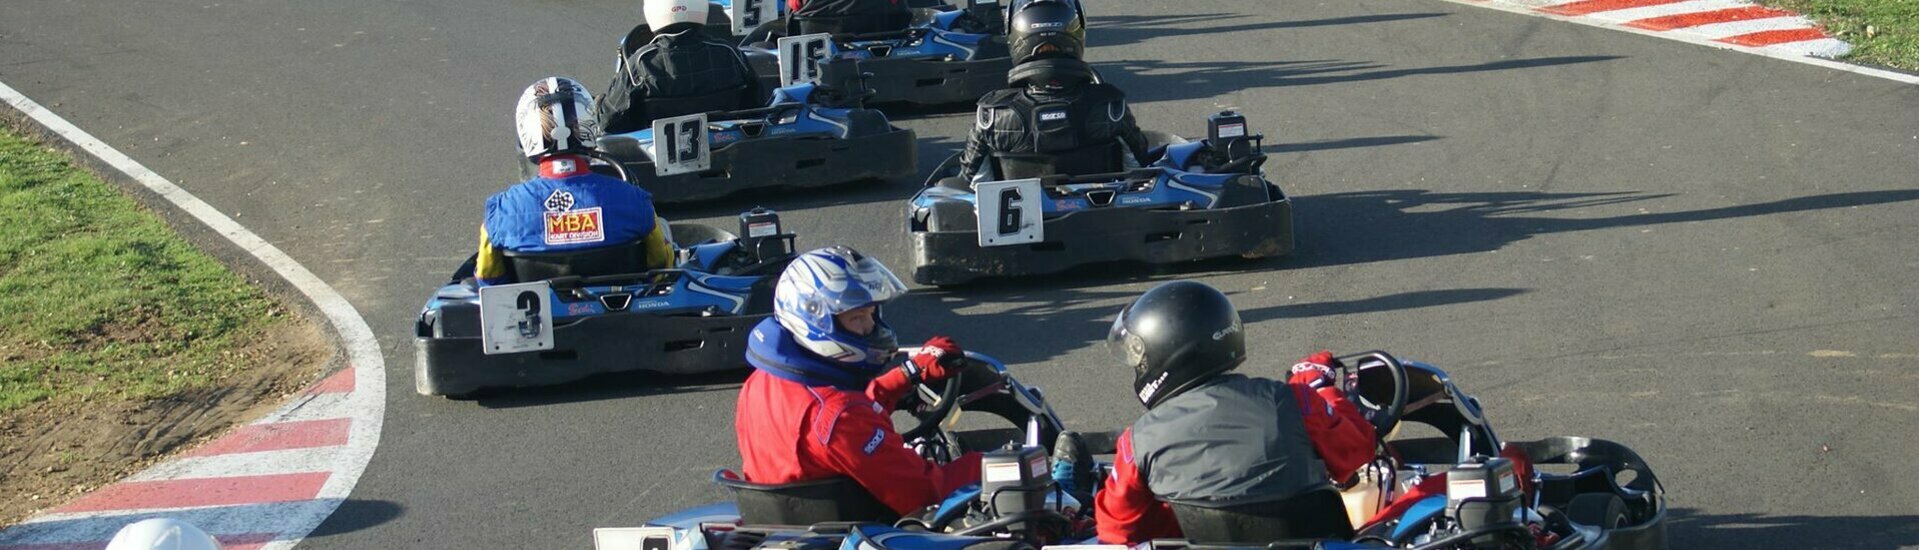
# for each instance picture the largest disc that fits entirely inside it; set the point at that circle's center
(356, 514)
(1072, 318)
(1688, 528)
(930, 151)
(1147, 80)
(1116, 30)
(1376, 226)
(619, 385)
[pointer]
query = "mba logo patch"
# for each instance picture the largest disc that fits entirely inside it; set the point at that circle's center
(874, 443)
(575, 227)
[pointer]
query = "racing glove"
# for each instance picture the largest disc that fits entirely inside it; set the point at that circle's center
(934, 362)
(1315, 371)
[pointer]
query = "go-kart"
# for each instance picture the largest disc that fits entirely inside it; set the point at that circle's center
(806, 136)
(1497, 494)
(1197, 200)
(601, 311)
(945, 55)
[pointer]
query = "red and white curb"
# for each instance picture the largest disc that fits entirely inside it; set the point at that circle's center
(1737, 25)
(267, 484)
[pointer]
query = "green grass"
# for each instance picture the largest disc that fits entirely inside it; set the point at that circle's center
(1882, 32)
(99, 299)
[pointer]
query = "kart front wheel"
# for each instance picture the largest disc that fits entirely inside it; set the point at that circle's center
(1600, 510)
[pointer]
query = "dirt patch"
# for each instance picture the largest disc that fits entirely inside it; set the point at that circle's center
(54, 451)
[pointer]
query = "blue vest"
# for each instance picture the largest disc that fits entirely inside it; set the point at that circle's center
(571, 213)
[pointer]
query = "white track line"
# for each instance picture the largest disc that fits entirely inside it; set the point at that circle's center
(367, 402)
(1795, 52)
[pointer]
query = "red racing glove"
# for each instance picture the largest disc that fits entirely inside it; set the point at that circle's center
(1315, 371)
(934, 361)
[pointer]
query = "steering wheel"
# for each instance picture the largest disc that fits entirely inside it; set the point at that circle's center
(1384, 416)
(929, 419)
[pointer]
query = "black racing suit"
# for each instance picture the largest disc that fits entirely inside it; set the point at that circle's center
(682, 71)
(1082, 129)
(849, 16)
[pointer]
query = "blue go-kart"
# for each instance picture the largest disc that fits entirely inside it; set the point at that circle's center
(600, 311)
(1197, 200)
(1497, 494)
(945, 55)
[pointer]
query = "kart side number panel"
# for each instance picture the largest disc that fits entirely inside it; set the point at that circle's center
(801, 56)
(516, 318)
(1010, 212)
(680, 145)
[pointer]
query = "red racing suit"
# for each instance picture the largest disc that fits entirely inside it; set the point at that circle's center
(789, 431)
(1128, 512)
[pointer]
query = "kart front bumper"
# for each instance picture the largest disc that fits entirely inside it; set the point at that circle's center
(946, 248)
(777, 161)
(449, 360)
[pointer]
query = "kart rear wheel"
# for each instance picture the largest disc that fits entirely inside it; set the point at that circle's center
(1600, 510)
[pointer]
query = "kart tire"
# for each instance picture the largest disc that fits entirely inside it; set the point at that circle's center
(866, 122)
(688, 234)
(1601, 510)
(1244, 191)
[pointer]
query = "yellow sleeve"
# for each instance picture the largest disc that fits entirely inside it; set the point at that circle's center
(659, 250)
(490, 266)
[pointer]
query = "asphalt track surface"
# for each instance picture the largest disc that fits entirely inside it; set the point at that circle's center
(1703, 254)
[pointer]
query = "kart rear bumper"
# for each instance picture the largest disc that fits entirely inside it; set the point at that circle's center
(946, 246)
(922, 81)
(777, 161)
(449, 361)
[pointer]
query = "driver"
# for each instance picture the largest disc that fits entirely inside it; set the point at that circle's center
(1055, 109)
(567, 207)
(819, 401)
(682, 71)
(1214, 439)
(849, 16)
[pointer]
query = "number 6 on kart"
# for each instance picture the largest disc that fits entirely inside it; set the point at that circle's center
(800, 58)
(1010, 212)
(680, 145)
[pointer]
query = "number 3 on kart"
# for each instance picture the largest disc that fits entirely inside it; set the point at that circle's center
(1010, 212)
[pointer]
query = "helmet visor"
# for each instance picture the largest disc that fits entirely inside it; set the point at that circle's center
(1125, 346)
(868, 282)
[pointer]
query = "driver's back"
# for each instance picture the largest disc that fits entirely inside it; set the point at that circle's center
(555, 216)
(678, 73)
(1027, 134)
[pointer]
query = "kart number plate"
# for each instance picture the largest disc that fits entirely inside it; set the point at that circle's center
(801, 56)
(633, 538)
(680, 145)
(516, 318)
(1010, 212)
(747, 15)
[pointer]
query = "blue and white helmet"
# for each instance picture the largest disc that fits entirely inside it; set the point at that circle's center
(827, 282)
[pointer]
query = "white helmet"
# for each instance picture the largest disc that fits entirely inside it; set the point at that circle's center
(162, 534)
(556, 116)
(661, 14)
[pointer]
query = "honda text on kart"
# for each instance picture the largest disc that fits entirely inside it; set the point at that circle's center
(807, 135)
(1497, 493)
(1198, 200)
(946, 55)
(600, 310)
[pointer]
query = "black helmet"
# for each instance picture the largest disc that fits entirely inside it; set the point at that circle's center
(1175, 336)
(1042, 29)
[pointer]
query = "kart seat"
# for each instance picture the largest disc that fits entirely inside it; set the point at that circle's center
(1085, 160)
(618, 259)
(1316, 514)
(803, 502)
